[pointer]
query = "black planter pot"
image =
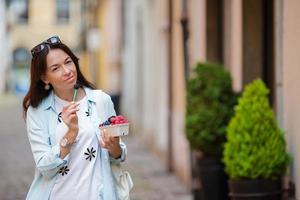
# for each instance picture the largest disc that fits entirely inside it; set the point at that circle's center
(213, 179)
(255, 189)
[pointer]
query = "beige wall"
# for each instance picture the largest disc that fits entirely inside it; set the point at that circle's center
(233, 41)
(110, 45)
(291, 83)
(197, 27)
(155, 75)
(180, 144)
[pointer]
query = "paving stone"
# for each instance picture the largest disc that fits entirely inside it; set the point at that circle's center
(151, 179)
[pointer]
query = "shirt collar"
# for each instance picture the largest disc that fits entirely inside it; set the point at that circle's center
(49, 100)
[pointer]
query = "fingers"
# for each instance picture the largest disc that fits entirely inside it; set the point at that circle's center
(69, 115)
(108, 138)
(71, 108)
(72, 116)
(108, 141)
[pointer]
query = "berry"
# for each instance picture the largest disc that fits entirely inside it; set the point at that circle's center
(110, 119)
(114, 120)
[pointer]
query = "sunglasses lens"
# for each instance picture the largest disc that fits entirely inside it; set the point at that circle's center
(54, 40)
(41, 47)
(38, 49)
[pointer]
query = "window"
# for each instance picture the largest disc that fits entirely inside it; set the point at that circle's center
(62, 11)
(21, 58)
(18, 10)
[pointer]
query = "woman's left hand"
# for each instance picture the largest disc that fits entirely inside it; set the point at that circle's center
(112, 144)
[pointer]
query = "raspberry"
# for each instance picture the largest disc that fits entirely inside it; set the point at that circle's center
(114, 120)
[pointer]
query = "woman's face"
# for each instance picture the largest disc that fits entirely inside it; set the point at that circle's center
(61, 70)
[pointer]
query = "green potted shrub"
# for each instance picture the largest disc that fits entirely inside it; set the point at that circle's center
(210, 101)
(255, 154)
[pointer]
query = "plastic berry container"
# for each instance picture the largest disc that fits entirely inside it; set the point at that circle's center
(116, 129)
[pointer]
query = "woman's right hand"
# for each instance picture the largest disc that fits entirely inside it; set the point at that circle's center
(69, 116)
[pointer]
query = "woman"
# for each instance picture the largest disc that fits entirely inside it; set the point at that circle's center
(63, 132)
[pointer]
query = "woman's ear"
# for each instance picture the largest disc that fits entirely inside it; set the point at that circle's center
(44, 79)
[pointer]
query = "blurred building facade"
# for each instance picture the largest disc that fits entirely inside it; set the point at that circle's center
(82, 24)
(32, 21)
(251, 38)
(3, 47)
(144, 49)
(153, 80)
(104, 45)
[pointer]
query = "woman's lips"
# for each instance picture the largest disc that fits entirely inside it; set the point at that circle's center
(70, 79)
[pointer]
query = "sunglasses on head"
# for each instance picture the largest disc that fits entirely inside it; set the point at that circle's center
(40, 47)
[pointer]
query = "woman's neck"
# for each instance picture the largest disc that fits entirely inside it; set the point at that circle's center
(67, 95)
(64, 94)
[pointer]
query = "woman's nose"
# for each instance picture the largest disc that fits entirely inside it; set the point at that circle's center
(66, 70)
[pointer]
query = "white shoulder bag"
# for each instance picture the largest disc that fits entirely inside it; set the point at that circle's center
(123, 181)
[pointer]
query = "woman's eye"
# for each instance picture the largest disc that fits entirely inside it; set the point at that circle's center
(68, 62)
(54, 69)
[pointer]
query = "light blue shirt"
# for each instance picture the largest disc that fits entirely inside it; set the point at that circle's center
(41, 126)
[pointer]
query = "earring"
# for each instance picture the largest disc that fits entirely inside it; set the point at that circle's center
(47, 87)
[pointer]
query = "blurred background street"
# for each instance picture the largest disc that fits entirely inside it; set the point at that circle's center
(144, 54)
(16, 171)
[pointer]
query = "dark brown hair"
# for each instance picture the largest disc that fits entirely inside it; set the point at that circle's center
(38, 68)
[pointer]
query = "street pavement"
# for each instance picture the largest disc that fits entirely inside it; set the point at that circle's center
(150, 177)
(16, 171)
(151, 181)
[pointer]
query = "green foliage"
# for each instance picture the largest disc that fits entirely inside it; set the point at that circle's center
(256, 147)
(210, 101)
